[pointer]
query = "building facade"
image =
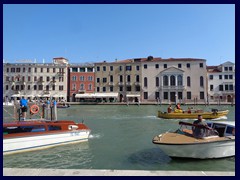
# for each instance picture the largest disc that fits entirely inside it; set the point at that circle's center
(81, 80)
(221, 82)
(33, 80)
(174, 80)
(121, 77)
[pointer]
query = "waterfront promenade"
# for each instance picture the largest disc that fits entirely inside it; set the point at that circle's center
(144, 103)
(104, 172)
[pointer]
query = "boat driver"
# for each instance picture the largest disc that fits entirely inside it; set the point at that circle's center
(200, 132)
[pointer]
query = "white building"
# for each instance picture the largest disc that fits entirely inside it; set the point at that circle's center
(221, 82)
(35, 80)
(174, 79)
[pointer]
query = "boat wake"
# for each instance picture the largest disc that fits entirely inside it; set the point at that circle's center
(220, 118)
(95, 136)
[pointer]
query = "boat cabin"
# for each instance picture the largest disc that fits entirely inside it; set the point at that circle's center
(20, 128)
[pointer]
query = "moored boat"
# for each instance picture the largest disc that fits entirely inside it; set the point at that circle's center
(63, 105)
(20, 136)
(219, 142)
(193, 115)
(40, 133)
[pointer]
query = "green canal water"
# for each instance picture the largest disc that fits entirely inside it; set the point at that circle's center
(121, 138)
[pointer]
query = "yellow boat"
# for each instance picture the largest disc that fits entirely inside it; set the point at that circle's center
(193, 115)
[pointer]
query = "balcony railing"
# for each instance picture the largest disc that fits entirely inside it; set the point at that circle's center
(171, 87)
(111, 83)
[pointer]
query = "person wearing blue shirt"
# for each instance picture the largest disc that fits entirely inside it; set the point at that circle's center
(24, 107)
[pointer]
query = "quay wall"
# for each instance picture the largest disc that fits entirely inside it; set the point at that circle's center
(105, 172)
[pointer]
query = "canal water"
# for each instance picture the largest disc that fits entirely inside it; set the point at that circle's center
(121, 138)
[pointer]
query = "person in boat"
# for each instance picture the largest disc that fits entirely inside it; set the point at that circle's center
(24, 107)
(169, 110)
(200, 128)
(178, 109)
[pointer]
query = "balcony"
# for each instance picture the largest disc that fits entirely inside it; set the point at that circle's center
(46, 92)
(181, 88)
(137, 84)
(111, 83)
(60, 73)
(128, 83)
(120, 83)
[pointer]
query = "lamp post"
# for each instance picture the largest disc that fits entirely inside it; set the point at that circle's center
(176, 98)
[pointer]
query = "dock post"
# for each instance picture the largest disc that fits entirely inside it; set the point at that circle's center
(55, 109)
(48, 108)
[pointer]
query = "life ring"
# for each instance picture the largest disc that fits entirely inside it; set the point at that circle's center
(34, 109)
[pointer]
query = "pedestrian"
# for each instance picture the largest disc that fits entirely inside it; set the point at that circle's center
(24, 107)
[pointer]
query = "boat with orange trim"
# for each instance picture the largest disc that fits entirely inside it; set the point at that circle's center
(34, 134)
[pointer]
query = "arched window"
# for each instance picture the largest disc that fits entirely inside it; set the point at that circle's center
(188, 81)
(172, 80)
(165, 80)
(145, 82)
(180, 80)
(157, 81)
(201, 81)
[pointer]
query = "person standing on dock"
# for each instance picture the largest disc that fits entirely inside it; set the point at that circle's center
(24, 107)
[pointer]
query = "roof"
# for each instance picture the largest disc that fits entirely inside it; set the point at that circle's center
(213, 69)
(156, 59)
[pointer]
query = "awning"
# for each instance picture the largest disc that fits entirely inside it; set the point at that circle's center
(133, 95)
(46, 95)
(16, 95)
(30, 96)
(96, 95)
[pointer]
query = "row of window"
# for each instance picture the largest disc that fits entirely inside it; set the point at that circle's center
(226, 76)
(82, 69)
(166, 79)
(226, 87)
(82, 87)
(18, 70)
(34, 87)
(120, 88)
(129, 67)
(228, 68)
(35, 78)
(82, 78)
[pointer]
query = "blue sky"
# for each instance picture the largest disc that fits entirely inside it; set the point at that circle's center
(94, 33)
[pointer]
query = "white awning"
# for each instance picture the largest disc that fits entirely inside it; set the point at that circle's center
(96, 95)
(133, 95)
(30, 96)
(46, 95)
(16, 95)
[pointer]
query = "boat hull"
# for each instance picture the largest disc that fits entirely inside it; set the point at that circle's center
(30, 143)
(205, 115)
(215, 149)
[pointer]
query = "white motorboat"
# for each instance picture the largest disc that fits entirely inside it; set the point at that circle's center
(219, 141)
(20, 136)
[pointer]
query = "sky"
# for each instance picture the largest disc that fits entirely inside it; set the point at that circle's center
(106, 32)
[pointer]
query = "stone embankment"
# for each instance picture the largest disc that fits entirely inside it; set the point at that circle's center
(103, 172)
